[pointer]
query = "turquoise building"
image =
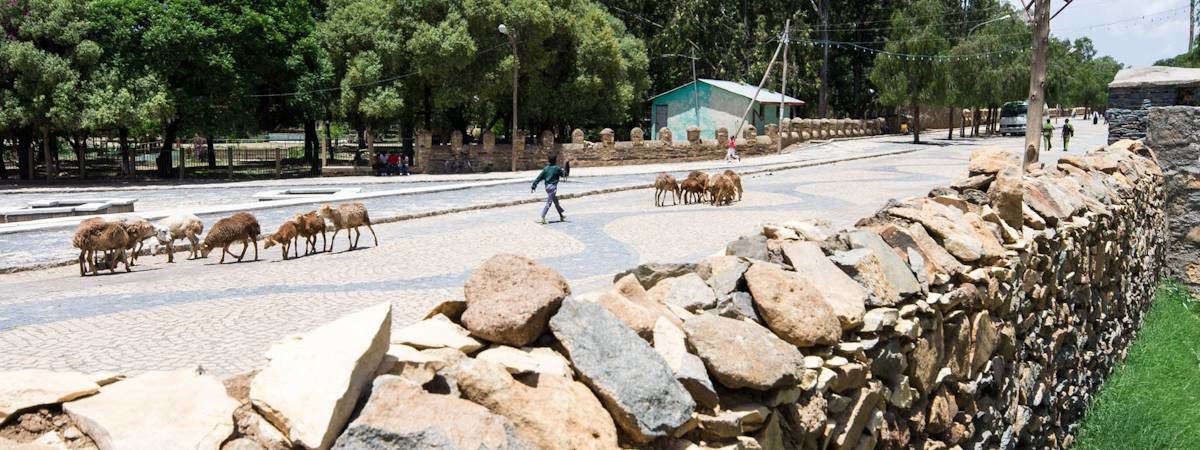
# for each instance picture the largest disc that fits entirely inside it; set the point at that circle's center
(711, 104)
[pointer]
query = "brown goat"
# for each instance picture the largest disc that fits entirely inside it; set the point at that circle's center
(737, 182)
(241, 227)
(702, 178)
(310, 223)
(723, 190)
(665, 185)
(348, 216)
(96, 234)
(139, 230)
(693, 191)
(286, 236)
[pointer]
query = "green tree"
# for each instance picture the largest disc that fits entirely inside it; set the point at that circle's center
(902, 79)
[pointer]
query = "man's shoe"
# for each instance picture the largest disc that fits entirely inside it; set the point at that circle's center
(541, 221)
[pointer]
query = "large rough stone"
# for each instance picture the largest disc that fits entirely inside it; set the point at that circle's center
(400, 415)
(510, 298)
(671, 343)
(985, 339)
(864, 264)
(1007, 196)
(727, 272)
(925, 359)
(630, 378)
(24, 389)
(792, 307)
(741, 354)
(336, 361)
(895, 270)
(549, 411)
(630, 303)
(157, 410)
(845, 296)
(688, 291)
(990, 160)
(651, 273)
(848, 431)
(942, 410)
(437, 332)
(752, 246)
(527, 360)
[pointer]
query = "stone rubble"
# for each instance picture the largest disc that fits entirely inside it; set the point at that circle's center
(982, 316)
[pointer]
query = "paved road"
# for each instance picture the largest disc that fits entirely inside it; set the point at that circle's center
(165, 316)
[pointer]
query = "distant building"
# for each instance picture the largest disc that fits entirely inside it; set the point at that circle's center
(1134, 91)
(711, 104)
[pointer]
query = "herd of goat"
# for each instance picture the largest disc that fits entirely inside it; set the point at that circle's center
(699, 187)
(120, 241)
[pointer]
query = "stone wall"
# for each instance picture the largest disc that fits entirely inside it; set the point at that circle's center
(1126, 123)
(1174, 133)
(1135, 97)
(489, 156)
(984, 315)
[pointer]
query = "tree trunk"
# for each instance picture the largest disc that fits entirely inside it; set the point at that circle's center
(126, 158)
(79, 145)
(362, 143)
(916, 128)
(25, 153)
(164, 151)
(212, 152)
(51, 171)
(3, 160)
(1037, 81)
(975, 121)
(312, 146)
(950, 125)
(823, 93)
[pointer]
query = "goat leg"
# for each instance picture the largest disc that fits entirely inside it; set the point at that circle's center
(373, 234)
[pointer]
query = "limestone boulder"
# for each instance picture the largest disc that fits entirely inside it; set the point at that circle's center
(844, 295)
(651, 273)
(752, 246)
(337, 361)
(437, 332)
(400, 415)
(510, 299)
(157, 410)
(24, 389)
(742, 354)
(633, 305)
(864, 265)
(549, 411)
(726, 274)
(895, 270)
(527, 360)
(632, 381)
(671, 343)
(990, 160)
(688, 291)
(792, 307)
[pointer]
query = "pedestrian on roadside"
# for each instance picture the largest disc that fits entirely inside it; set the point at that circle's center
(1047, 134)
(382, 164)
(404, 165)
(550, 174)
(393, 163)
(198, 145)
(731, 151)
(1095, 118)
(1068, 131)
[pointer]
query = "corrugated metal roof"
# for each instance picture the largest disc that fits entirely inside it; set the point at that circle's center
(1155, 76)
(742, 89)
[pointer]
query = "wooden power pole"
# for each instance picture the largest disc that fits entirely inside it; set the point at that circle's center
(1191, 24)
(1037, 81)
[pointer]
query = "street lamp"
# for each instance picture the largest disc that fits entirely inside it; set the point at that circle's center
(512, 39)
(695, 86)
(987, 22)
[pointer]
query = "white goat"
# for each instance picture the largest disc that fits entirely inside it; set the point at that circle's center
(179, 226)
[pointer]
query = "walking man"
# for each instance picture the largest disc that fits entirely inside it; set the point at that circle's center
(1047, 134)
(550, 174)
(731, 152)
(1068, 131)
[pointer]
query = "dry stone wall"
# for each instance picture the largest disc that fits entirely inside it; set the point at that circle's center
(984, 315)
(1174, 132)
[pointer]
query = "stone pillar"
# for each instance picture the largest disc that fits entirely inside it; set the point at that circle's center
(806, 130)
(489, 142)
(722, 136)
(607, 138)
(693, 135)
(823, 128)
(749, 132)
(422, 151)
(548, 141)
(664, 134)
(456, 144)
(637, 137)
(773, 133)
(785, 132)
(577, 136)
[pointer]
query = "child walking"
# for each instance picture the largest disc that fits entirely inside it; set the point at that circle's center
(550, 174)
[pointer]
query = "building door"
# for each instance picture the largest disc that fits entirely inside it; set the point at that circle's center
(660, 117)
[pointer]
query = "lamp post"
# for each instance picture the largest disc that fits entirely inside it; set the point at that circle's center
(987, 22)
(512, 39)
(695, 86)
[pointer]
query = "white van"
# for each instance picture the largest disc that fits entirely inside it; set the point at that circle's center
(1014, 117)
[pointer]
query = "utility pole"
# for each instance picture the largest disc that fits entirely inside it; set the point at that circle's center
(1191, 24)
(823, 95)
(783, 91)
(1037, 81)
(766, 73)
(512, 39)
(695, 89)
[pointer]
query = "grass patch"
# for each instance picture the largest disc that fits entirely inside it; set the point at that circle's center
(1152, 401)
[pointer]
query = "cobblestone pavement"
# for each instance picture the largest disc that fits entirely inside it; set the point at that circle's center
(223, 317)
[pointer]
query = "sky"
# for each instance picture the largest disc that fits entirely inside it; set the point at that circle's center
(1145, 30)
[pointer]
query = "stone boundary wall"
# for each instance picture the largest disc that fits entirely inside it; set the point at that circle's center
(1126, 123)
(1173, 132)
(489, 156)
(984, 315)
